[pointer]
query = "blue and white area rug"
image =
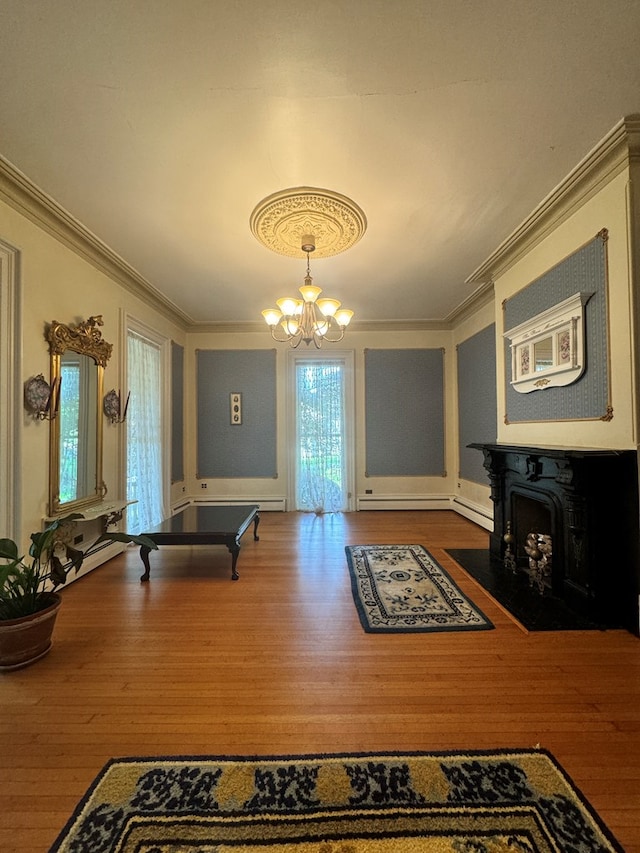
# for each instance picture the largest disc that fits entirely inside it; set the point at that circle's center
(403, 589)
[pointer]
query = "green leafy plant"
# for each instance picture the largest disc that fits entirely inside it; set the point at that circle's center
(26, 584)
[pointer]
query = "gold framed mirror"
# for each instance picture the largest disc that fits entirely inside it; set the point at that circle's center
(78, 358)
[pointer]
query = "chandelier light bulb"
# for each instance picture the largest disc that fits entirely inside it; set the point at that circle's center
(343, 317)
(272, 316)
(288, 305)
(309, 291)
(328, 306)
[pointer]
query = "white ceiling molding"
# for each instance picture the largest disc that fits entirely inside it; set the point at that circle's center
(24, 196)
(612, 155)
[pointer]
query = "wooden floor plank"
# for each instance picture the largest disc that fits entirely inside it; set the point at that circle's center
(277, 662)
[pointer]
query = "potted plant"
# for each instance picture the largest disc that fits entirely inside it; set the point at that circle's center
(29, 602)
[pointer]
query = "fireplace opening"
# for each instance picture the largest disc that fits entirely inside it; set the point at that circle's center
(528, 515)
(536, 514)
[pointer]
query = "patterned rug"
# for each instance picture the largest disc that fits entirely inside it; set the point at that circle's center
(401, 589)
(475, 802)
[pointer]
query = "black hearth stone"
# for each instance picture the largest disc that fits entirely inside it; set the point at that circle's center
(534, 611)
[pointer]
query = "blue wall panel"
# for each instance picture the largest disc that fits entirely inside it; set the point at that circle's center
(477, 401)
(231, 450)
(404, 412)
(588, 397)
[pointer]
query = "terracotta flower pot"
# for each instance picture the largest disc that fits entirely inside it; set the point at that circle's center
(27, 639)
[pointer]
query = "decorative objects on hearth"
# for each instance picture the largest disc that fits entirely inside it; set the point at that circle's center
(305, 220)
(538, 548)
(402, 589)
(508, 799)
(509, 556)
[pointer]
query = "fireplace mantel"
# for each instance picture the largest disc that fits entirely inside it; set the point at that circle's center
(589, 499)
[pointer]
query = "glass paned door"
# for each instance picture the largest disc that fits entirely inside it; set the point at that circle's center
(321, 470)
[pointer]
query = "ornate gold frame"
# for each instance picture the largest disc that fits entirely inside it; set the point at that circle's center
(84, 338)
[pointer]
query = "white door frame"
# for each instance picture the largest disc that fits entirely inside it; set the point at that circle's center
(348, 358)
(10, 391)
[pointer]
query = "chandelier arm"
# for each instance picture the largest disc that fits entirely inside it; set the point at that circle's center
(332, 340)
(276, 338)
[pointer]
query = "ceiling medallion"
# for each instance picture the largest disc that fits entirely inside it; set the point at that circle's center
(281, 220)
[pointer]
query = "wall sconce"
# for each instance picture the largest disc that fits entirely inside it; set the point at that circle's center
(111, 406)
(42, 400)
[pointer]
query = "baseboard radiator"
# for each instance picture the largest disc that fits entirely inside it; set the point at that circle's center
(404, 502)
(266, 504)
(474, 512)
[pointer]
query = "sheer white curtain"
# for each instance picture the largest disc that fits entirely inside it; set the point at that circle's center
(320, 436)
(144, 433)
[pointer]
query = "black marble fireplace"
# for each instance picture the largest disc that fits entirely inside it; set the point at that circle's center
(587, 502)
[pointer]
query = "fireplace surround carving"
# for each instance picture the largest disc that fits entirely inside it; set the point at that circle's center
(587, 502)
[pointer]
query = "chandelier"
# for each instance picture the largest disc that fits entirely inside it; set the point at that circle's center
(310, 219)
(310, 319)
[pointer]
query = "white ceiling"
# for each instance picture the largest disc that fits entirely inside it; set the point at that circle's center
(160, 124)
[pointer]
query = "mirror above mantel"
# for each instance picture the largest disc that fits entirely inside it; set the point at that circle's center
(549, 350)
(78, 358)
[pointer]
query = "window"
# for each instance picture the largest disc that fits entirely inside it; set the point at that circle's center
(145, 479)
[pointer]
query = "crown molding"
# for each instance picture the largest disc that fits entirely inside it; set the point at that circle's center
(482, 296)
(399, 326)
(230, 326)
(612, 155)
(355, 326)
(18, 191)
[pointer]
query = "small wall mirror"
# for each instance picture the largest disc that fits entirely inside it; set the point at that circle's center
(543, 354)
(549, 350)
(78, 358)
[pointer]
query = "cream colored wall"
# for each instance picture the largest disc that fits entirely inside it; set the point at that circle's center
(608, 208)
(356, 341)
(471, 495)
(57, 284)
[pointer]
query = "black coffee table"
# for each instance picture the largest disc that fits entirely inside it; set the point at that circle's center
(204, 525)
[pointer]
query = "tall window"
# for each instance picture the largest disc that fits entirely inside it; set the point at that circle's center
(321, 481)
(144, 433)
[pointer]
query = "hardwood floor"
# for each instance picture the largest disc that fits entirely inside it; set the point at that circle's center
(277, 662)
